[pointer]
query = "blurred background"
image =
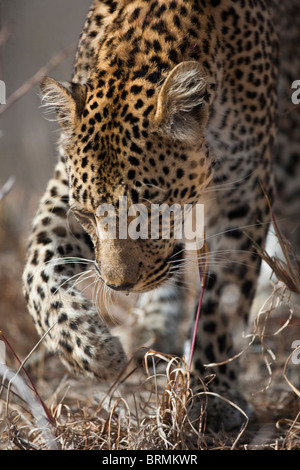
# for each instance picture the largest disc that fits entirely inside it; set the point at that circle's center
(36, 31)
(32, 33)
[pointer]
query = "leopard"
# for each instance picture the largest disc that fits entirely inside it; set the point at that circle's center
(170, 102)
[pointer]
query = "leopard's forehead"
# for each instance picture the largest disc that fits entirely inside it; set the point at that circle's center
(113, 158)
(118, 111)
(117, 150)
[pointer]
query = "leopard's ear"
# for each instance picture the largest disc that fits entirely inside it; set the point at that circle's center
(182, 110)
(67, 99)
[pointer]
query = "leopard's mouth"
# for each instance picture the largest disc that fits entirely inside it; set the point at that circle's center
(127, 287)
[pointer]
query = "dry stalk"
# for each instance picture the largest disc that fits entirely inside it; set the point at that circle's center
(37, 77)
(202, 252)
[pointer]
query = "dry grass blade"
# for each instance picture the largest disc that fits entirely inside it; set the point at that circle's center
(203, 252)
(280, 296)
(49, 417)
(42, 426)
(295, 390)
(287, 270)
(115, 428)
(234, 405)
(292, 437)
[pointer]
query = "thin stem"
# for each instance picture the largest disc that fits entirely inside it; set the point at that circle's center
(203, 279)
(28, 377)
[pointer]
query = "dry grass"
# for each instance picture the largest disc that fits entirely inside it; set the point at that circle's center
(147, 409)
(148, 413)
(152, 416)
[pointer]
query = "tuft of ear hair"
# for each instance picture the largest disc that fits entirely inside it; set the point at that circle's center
(182, 110)
(66, 99)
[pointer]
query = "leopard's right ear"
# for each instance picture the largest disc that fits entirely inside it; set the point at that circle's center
(182, 109)
(67, 99)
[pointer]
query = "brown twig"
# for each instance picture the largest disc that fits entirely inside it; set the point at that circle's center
(5, 32)
(37, 77)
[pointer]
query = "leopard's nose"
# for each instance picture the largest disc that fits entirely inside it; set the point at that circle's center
(119, 264)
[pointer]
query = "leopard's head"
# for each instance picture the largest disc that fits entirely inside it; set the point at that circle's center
(128, 141)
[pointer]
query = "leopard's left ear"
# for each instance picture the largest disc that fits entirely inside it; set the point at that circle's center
(182, 110)
(67, 99)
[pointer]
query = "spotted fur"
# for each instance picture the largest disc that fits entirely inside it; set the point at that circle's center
(171, 101)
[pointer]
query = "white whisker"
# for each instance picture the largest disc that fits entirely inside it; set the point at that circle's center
(69, 279)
